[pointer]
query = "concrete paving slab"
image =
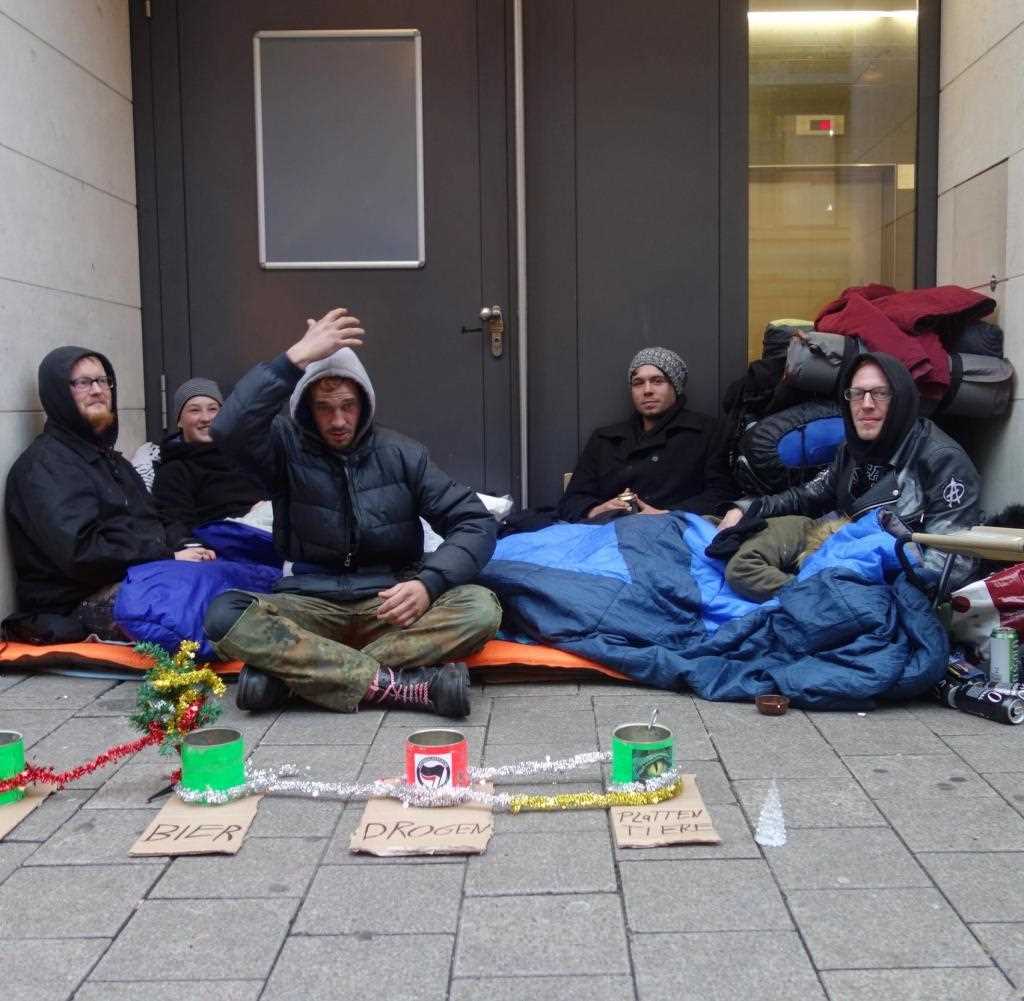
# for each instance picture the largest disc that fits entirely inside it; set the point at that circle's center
(370, 968)
(50, 968)
(945, 721)
(120, 700)
(1009, 785)
(707, 895)
(237, 938)
(80, 739)
(918, 775)
(530, 863)
(1004, 942)
(715, 787)
(577, 727)
(725, 966)
(799, 758)
(207, 990)
(333, 763)
(831, 802)
(49, 816)
(882, 929)
(311, 726)
(8, 680)
(724, 718)
(53, 691)
(92, 837)
(861, 857)
(35, 724)
(518, 707)
(263, 867)
(917, 985)
(874, 735)
(12, 855)
(407, 900)
(1001, 750)
(980, 886)
(131, 785)
(936, 825)
(295, 817)
(71, 901)
(541, 690)
(541, 936)
(555, 746)
(732, 828)
(580, 988)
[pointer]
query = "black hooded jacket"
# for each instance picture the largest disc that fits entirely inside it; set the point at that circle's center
(197, 482)
(678, 465)
(350, 519)
(912, 468)
(78, 514)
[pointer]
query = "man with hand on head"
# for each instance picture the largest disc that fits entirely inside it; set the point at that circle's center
(77, 512)
(891, 459)
(669, 457)
(366, 618)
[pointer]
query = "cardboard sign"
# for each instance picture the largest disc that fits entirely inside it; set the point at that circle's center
(12, 814)
(190, 829)
(682, 820)
(389, 828)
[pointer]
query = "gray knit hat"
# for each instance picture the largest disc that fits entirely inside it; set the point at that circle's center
(667, 360)
(195, 387)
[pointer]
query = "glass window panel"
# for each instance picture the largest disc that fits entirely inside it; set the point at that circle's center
(339, 149)
(833, 140)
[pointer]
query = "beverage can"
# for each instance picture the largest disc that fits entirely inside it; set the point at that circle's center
(1004, 657)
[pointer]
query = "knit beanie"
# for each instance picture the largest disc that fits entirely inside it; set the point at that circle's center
(667, 360)
(195, 387)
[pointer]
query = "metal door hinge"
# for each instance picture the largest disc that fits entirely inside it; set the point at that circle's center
(147, 8)
(163, 400)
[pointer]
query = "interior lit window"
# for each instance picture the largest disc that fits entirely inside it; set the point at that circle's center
(833, 137)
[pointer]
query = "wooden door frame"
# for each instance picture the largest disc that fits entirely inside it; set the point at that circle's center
(163, 236)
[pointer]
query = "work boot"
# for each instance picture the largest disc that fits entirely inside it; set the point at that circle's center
(258, 691)
(443, 690)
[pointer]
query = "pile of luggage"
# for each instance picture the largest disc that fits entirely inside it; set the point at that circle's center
(783, 421)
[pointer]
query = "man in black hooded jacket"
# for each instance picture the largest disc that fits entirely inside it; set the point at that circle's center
(891, 459)
(365, 617)
(78, 514)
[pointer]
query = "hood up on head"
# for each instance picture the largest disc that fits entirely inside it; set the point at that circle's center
(343, 364)
(59, 404)
(899, 421)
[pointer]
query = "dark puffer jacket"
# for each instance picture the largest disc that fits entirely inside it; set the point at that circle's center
(196, 483)
(678, 465)
(77, 512)
(350, 518)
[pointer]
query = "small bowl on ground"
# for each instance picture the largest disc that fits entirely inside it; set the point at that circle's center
(772, 705)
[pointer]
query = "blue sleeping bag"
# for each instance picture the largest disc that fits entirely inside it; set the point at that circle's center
(639, 595)
(165, 601)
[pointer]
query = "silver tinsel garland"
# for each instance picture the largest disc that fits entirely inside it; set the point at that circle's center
(286, 780)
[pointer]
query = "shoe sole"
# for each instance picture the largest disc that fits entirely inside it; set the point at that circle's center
(462, 673)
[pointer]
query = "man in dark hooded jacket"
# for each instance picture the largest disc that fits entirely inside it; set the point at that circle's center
(365, 617)
(78, 514)
(891, 459)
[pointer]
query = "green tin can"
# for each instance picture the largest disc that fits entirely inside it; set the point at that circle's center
(641, 751)
(212, 759)
(12, 761)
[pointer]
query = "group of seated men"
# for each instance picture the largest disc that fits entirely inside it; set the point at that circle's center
(366, 617)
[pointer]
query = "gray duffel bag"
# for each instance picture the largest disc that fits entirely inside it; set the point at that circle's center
(814, 359)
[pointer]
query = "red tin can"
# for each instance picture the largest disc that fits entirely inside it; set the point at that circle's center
(437, 758)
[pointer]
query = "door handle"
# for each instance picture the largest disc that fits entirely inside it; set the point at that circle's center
(494, 324)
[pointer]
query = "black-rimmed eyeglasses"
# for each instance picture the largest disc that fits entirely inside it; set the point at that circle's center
(880, 394)
(84, 383)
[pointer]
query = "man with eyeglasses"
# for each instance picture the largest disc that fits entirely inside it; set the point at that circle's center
(892, 459)
(666, 456)
(78, 514)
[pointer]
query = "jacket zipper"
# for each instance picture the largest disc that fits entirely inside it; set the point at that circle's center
(353, 529)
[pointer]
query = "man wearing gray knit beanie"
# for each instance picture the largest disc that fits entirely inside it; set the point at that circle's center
(663, 458)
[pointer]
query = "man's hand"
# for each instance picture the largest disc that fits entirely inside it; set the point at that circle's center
(732, 516)
(403, 604)
(195, 554)
(334, 330)
(646, 508)
(616, 505)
